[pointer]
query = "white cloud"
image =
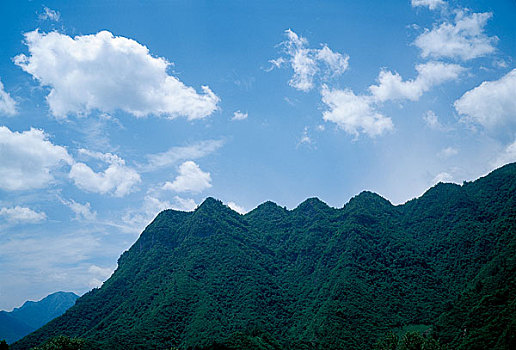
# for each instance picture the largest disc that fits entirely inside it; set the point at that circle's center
(490, 104)
(355, 114)
(7, 104)
(302, 63)
(307, 63)
(40, 263)
(137, 219)
(464, 39)
(392, 87)
(28, 159)
(184, 204)
(19, 214)
(49, 14)
(141, 217)
(117, 179)
(442, 177)
(237, 208)
(191, 178)
(448, 152)
(305, 138)
(107, 73)
(239, 116)
(508, 155)
(336, 63)
(431, 4)
(98, 275)
(432, 121)
(176, 154)
(81, 211)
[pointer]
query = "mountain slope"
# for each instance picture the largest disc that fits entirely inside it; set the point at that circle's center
(314, 277)
(12, 329)
(34, 314)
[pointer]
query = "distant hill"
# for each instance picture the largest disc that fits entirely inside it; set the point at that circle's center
(314, 277)
(33, 314)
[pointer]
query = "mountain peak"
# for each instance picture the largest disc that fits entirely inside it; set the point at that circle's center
(311, 204)
(210, 203)
(221, 272)
(34, 314)
(368, 199)
(267, 209)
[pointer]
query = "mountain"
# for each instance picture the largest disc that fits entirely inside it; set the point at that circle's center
(12, 329)
(314, 277)
(33, 314)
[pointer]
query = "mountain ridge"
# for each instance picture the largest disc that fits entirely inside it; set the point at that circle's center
(313, 277)
(33, 314)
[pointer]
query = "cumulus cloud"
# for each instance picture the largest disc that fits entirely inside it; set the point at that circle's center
(19, 214)
(176, 154)
(491, 104)
(237, 208)
(49, 14)
(117, 179)
(430, 74)
(443, 177)
(190, 179)
(28, 159)
(7, 104)
(184, 204)
(508, 155)
(431, 4)
(308, 63)
(239, 116)
(354, 114)
(464, 39)
(107, 73)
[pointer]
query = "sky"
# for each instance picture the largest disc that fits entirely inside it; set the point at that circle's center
(111, 111)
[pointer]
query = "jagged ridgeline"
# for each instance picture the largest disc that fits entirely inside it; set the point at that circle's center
(314, 277)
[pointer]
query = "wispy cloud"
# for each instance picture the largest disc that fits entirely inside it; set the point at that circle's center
(7, 104)
(49, 14)
(239, 116)
(309, 64)
(176, 154)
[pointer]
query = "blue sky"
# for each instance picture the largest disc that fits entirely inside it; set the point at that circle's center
(111, 111)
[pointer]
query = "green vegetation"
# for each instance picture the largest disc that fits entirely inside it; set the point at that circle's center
(63, 343)
(314, 277)
(408, 341)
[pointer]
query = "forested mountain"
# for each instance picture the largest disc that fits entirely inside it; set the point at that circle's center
(314, 277)
(34, 314)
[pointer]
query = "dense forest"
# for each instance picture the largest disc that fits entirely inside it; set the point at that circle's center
(437, 272)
